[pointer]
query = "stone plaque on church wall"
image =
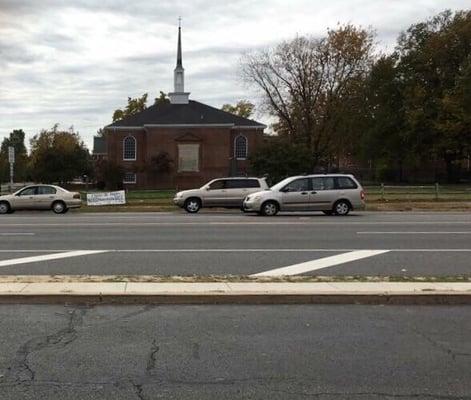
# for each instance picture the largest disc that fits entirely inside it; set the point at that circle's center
(188, 157)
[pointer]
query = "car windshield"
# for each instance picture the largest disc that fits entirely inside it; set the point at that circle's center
(281, 184)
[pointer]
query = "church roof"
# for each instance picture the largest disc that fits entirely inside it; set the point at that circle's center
(193, 113)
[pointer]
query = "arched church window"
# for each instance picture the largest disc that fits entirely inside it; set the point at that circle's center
(129, 148)
(240, 147)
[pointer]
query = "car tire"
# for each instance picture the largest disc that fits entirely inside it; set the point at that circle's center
(59, 207)
(328, 212)
(342, 208)
(269, 208)
(192, 205)
(5, 208)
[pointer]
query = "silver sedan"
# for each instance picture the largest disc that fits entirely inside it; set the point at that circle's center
(40, 197)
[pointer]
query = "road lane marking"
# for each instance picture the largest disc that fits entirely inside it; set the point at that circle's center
(17, 234)
(56, 256)
(416, 233)
(321, 263)
(457, 250)
(228, 223)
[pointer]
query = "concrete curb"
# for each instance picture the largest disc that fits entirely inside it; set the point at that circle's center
(372, 299)
(451, 293)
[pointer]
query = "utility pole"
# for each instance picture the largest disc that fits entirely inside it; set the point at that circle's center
(11, 160)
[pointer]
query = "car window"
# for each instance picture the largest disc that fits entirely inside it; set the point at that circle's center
(46, 190)
(323, 183)
(344, 182)
(317, 184)
(299, 185)
(252, 183)
(31, 191)
(329, 183)
(241, 183)
(217, 185)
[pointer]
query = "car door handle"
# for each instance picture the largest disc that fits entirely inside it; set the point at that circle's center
(303, 192)
(314, 192)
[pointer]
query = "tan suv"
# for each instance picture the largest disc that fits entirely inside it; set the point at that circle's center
(223, 192)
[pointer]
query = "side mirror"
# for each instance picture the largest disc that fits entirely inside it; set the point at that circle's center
(284, 190)
(207, 188)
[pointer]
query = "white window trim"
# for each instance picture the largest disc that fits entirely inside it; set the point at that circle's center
(130, 182)
(135, 149)
(246, 147)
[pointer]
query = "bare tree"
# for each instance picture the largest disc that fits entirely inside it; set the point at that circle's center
(307, 81)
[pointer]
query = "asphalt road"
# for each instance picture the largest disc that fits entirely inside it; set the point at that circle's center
(234, 243)
(235, 352)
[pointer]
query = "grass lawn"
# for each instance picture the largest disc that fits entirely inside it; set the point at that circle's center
(394, 198)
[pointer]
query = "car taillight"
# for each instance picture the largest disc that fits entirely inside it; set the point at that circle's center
(362, 195)
(76, 196)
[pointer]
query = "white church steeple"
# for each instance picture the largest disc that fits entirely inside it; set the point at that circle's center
(179, 96)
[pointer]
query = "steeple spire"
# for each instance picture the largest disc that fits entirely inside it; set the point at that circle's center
(179, 50)
(179, 96)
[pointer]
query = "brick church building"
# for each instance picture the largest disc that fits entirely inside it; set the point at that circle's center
(198, 142)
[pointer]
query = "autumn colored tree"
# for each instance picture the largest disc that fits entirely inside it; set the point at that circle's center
(162, 99)
(134, 106)
(58, 156)
(306, 83)
(243, 108)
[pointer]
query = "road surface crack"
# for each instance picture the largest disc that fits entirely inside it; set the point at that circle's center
(440, 346)
(20, 371)
(139, 391)
(154, 349)
(377, 394)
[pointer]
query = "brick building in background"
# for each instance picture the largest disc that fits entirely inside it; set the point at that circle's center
(200, 141)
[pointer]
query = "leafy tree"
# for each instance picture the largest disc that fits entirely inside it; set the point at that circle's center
(306, 83)
(17, 140)
(58, 156)
(385, 142)
(295, 159)
(243, 108)
(109, 174)
(161, 163)
(134, 106)
(433, 59)
(162, 99)
(137, 105)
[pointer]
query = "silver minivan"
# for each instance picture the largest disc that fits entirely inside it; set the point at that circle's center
(333, 194)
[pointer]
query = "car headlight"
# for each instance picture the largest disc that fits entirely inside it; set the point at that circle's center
(179, 194)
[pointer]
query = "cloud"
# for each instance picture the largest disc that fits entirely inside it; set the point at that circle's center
(76, 61)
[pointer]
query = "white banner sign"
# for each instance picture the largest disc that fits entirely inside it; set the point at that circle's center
(103, 199)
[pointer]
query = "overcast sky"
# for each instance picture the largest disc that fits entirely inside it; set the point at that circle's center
(75, 61)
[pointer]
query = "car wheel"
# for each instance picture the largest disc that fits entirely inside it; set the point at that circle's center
(59, 207)
(4, 207)
(269, 208)
(192, 205)
(328, 212)
(342, 207)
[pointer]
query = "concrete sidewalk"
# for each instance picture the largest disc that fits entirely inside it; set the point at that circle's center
(237, 292)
